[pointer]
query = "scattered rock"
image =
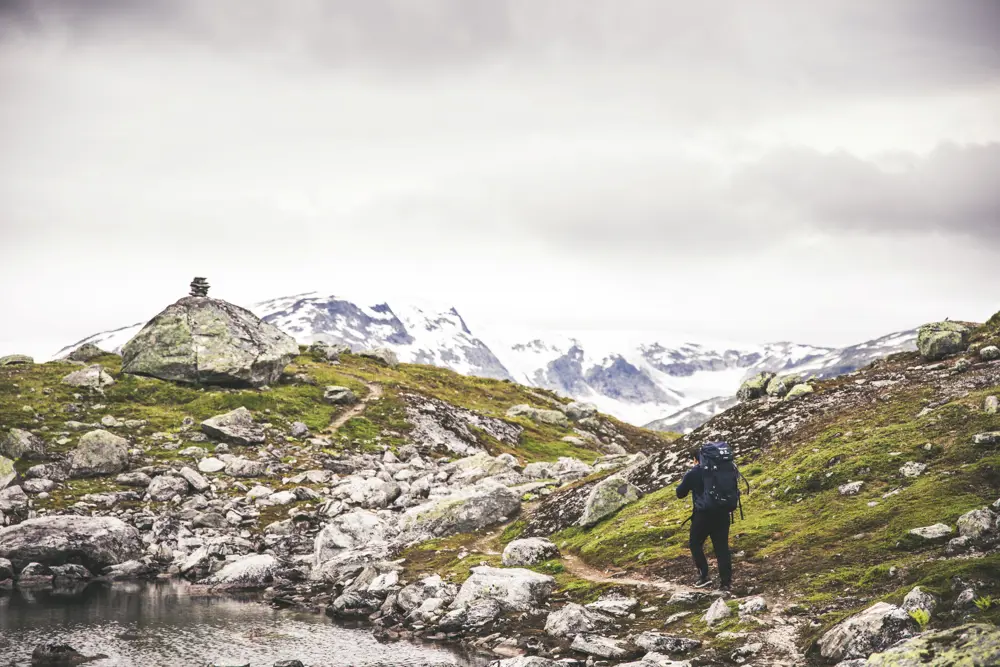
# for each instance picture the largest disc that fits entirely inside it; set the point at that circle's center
(578, 410)
(337, 395)
(912, 469)
(850, 489)
(992, 405)
(991, 438)
(515, 589)
(7, 472)
(798, 391)
(58, 655)
(574, 619)
(529, 551)
(32, 486)
(978, 524)
(938, 531)
(657, 643)
(466, 510)
(539, 415)
(755, 387)
(241, 467)
(85, 353)
(603, 647)
(165, 487)
(200, 340)
(875, 629)
(21, 444)
(717, 612)
(92, 377)
(99, 453)
(607, 497)
(15, 359)
(754, 605)
(990, 353)
(919, 599)
(254, 571)
(381, 354)
(614, 604)
(211, 464)
(195, 479)
(236, 427)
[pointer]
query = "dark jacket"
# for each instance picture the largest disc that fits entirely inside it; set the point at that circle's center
(692, 483)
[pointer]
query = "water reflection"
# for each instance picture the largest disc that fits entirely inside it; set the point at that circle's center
(173, 625)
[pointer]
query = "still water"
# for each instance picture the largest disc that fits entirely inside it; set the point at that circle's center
(169, 624)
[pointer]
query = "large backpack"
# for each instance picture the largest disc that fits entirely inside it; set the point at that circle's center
(721, 480)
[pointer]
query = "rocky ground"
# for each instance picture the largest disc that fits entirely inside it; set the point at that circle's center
(437, 506)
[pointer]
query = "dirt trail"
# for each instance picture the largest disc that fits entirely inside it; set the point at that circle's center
(374, 393)
(580, 569)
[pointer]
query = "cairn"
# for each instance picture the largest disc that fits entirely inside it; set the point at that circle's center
(199, 287)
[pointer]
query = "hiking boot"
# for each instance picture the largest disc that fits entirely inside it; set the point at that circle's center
(703, 581)
(725, 588)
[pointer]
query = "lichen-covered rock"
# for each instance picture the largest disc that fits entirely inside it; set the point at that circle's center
(780, 385)
(241, 467)
(98, 453)
(941, 339)
(798, 391)
(607, 497)
(603, 647)
(254, 571)
(991, 405)
(754, 605)
(466, 510)
(938, 531)
(91, 377)
(912, 469)
(208, 341)
(990, 438)
(412, 596)
(21, 444)
(94, 542)
(718, 611)
(515, 589)
(382, 355)
(978, 524)
(973, 645)
(337, 395)
(165, 487)
(990, 353)
(655, 642)
(574, 619)
(850, 489)
(755, 387)
(353, 530)
(578, 410)
(539, 415)
(7, 472)
(370, 493)
(85, 353)
(15, 359)
(874, 629)
(566, 469)
(236, 426)
(528, 551)
(918, 598)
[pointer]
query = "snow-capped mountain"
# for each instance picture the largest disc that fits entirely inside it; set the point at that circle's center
(672, 386)
(418, 334)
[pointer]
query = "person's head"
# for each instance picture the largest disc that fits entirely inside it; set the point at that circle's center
(695, 453)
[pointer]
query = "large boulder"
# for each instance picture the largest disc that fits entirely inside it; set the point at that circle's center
(979, 524)
(938, 340)
(755, 387)
(165, 487)
(94, 542)
(381, 354)
(515, 589)
(607, 497)
(973, 645)
(540, 415)
(780, 385)
(370, 493)
(200, 340)
(467, 510)
(21, 444)
(875, 629)
(253, 571)
(98, 453)
(91, 377)
(16, 360)
(528, 551)
(236, 426)
(353, 530)
(337, 395)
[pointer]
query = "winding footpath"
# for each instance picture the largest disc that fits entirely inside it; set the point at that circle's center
(356, 410)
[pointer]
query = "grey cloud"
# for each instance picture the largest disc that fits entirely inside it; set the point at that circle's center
(950, 190)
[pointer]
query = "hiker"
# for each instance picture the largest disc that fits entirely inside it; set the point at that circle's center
(714, 504)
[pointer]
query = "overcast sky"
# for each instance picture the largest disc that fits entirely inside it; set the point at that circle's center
(823, 172)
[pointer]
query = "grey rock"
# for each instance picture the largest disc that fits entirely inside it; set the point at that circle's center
(658, 643)
(57, 472)
(874, 629)
(798, 391)
(298, 430)
(574, 619)
(972, 645)
(539, 415)
(991, 438)
(91, 377)
(85, 353)
(754, 605)
(21, 444)
(195, 479)
(938, 531)
(755, 387)
(370, 493)
(210, 520)
(137, 479)
(515, 589)
(525, 661)
(15, 359)
(7, 472)
(990, 353)
(603, 647)
(241, 467)
(850, 489)
(211, 464)
(466, 510)
(353, 530)
(236, 427)
(6, 569)
(579, 410)
(607, 497)
(381, 354)
(95, 542)
(912, 469)
(414, 595)
(615, 605)
(919, 599)
(99, 453)
(35, 486)
(941, 339)
(254, 571)
(71, 572)
(165, 487)
(978, 524)
(132, 569)
(337, 395)
(718, 611)
(528, 551)
(209, 341)
(992, 405)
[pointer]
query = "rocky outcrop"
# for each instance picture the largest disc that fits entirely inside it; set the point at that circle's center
(755, 387)
(201, 340)
(85, 353)
(382, 355)
(94, 542)
(21, 444)
(99, 453)
(539, 415)
(972, 645)
(516, 589)
(15, 360)
(942, 339)
(254, 571)
(354, 530)
(875, 629)
(606, 498)
(236, 426)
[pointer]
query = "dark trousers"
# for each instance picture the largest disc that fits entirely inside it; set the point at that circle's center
(716, 526)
